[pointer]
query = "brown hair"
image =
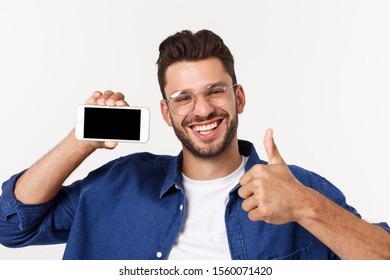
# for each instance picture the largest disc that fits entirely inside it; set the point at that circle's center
(189, 46)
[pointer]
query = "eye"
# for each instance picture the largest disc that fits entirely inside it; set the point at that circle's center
(216, 91)
(182, 97)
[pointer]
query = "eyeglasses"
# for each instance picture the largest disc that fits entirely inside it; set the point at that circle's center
(217, 94)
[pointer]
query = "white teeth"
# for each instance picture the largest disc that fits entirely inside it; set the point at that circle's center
(204, 129)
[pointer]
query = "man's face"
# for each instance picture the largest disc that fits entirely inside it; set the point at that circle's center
(207, 130)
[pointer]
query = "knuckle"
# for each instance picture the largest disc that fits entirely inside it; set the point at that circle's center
(258, 169)
(258, 196)
(264, 212)
(259, 183)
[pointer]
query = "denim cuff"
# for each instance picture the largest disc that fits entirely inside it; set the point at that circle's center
(12, 211)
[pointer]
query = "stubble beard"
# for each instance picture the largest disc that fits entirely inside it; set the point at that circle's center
(213, 150)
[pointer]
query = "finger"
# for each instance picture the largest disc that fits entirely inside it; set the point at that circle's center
(249, 204)
(272, 151)
(114, 98)
(255, 216)
(121, 103)
(245, 178)
(117, 96)
(245, 191)
(92, 100)
(110, 144)
(107, 94)
(257, 171)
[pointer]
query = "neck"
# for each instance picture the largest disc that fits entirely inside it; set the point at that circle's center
(213, 168)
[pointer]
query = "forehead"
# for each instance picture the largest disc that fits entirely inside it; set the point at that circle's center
(195, 75)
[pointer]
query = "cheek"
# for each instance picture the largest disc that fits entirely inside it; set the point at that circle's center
(233, 109)
(176, 121)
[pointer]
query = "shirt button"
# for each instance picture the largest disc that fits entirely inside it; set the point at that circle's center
(159, 255)
(181, 207)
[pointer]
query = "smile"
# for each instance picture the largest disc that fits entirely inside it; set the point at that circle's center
(205, 129)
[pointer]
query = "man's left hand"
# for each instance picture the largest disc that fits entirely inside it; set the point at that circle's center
(271, 193)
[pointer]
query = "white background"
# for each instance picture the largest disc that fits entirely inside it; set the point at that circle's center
(317, 72)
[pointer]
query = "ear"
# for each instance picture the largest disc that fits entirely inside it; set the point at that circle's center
(165, 112)
(240, 99)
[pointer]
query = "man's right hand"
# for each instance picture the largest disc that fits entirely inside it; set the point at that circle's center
(107, 98)
(35, 186)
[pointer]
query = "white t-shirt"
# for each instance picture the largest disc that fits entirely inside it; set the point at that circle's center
(203, 234)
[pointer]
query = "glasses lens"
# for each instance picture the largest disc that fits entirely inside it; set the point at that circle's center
(218, 95)
(182, 102)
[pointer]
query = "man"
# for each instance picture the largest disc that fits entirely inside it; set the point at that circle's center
(215, 200)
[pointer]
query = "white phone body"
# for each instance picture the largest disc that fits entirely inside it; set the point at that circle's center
(106, 123)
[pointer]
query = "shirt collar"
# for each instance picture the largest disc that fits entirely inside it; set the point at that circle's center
(247, 149)
(174, 178)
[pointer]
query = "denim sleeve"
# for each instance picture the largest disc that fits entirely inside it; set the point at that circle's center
(330, 190)
(322, 185)
(38, 224)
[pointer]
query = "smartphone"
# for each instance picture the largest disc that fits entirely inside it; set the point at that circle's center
(105, 123)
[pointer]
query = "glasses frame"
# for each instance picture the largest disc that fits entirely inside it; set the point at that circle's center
(202, 91)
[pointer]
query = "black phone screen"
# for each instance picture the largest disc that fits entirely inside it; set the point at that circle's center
(112, 123)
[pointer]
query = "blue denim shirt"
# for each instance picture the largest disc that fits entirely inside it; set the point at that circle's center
(133, 208)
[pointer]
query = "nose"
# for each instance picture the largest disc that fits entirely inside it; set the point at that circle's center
(201, 106)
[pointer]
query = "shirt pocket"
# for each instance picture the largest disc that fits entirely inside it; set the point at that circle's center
(300, 254)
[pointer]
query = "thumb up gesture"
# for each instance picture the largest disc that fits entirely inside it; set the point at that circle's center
(271, 193)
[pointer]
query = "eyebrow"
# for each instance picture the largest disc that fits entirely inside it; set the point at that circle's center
(211, 85)
(216, 84)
